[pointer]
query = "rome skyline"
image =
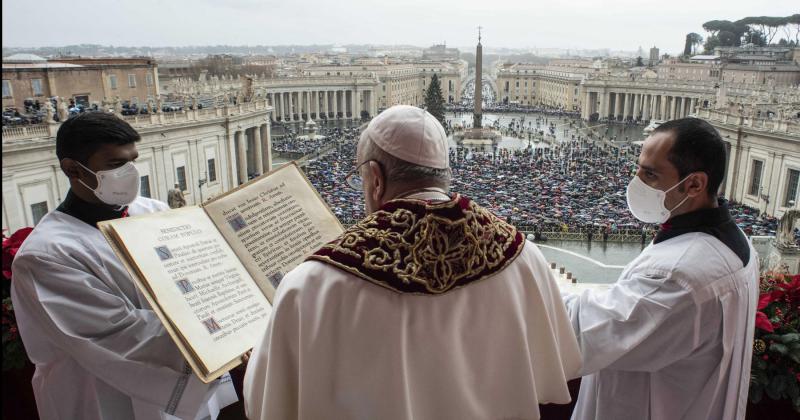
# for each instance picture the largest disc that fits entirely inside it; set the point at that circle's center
(579, 24)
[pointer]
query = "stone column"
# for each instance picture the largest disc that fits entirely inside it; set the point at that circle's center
(310, 96)
(356, 100)
(373, 104)
(663, 108)
(316, 103)
(656, 111)
(603, 105)
(692, 105)
(586, 107)
(645, 107)
(347, 103)
(241, 156)
(259, 151)
(266, 153)
(642, 99)
(673, 108)
(335, 105)
(281, 106)
(626, 107)
(291, 106)
(617, 105)
(636, 103)
(271, 101)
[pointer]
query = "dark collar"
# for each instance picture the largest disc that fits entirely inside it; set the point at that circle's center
(89, 213)
(716, 222)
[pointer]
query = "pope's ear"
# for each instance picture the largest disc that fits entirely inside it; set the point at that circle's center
(378, 180)
(70, 167)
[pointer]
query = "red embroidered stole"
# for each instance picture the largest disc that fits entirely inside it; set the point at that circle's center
(410, 246)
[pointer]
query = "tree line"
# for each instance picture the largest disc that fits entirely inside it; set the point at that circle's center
(756, 30)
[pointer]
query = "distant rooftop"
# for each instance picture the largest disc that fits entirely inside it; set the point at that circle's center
(23, 58)
(37, 65)
(705, 57)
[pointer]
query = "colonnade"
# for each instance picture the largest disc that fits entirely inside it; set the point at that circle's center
(252, 152)
(625, 106)
(296, 105)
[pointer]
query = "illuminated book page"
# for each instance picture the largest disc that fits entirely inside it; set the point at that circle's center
(197, 281)
(273, 223)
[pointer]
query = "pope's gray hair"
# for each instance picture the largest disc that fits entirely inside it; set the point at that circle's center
(400, 171)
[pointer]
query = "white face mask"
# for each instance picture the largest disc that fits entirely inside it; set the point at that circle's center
(118, 187)
(647, 203)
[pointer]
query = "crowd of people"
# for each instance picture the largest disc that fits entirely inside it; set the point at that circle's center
(505, 108)
(574, 187)
(290, 142)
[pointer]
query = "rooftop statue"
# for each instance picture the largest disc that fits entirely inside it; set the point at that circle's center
(785, 237)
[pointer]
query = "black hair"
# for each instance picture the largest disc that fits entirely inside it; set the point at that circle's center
(80, 136)
(697, 147)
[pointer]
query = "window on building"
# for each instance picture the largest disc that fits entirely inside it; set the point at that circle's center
(212, 170)
(36, 85)
(180, 175)
(148, 79)
(112, 80)
(132, 80)
(791, 187)
(7, 89)
(144, 186)
(38, 210)
(755, 177)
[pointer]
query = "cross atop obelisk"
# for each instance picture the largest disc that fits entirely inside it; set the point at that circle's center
(477, 115)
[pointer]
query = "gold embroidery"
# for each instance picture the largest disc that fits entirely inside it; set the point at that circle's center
(429, 250)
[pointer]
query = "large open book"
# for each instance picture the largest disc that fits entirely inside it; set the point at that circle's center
(210, 271)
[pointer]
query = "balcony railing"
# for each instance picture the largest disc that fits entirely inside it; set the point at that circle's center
(45, 130)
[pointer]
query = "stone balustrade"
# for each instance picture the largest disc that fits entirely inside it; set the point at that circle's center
(140, 121)
(791, 127)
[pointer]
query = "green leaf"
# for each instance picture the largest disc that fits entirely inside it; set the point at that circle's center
(790, 338)
(793, 390)
(756, 394)
(779, 348)
(776, 387)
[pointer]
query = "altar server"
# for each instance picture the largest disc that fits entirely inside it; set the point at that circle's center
(672, 339)
(100, 352)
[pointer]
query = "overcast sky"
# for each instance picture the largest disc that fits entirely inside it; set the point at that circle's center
(618, 24)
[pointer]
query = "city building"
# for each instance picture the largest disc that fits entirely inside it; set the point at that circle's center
(763, 159)
(206, 152)
(84, 80)
(440, 52)
(654, 57)
(403, 81)
(552, 86)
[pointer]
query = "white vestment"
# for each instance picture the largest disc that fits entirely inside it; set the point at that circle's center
(100, 352)
(340, 347)
(672, 339)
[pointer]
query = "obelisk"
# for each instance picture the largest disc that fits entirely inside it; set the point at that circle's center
(477, 115)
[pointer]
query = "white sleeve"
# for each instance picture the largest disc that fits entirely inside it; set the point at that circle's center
(124, 346)
(271, 383)
(561, 330)
(642, 323)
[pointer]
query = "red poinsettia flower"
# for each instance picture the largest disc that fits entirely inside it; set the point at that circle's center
(764, 300)
(763, 323)
(11, 246)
